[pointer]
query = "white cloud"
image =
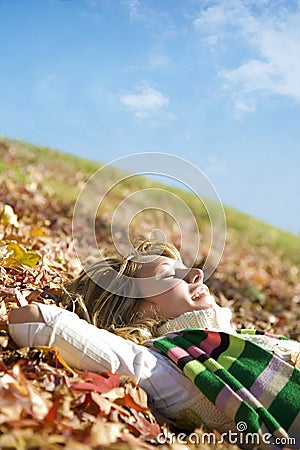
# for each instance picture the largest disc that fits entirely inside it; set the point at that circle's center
(157, 18)
(254, 75)
(211, 17)
(243, 107)
(141, 115)
(267, 37)
(134, 9)
(145, 103)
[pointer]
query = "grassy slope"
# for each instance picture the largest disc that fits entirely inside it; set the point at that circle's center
(56, 169)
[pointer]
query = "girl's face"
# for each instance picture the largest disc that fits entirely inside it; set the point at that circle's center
(169, 289)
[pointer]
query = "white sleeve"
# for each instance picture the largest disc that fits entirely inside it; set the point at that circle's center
(83, 345)
(86, 347)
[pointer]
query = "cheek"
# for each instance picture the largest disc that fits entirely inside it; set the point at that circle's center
(169, 304)
(147, 309)
(171, 301)
(157, 305)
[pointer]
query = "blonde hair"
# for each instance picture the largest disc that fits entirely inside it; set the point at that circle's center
(106, 296)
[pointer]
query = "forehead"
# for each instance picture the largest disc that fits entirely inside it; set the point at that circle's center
(153, 264)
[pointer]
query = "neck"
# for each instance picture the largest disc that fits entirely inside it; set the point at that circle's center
(217, 318)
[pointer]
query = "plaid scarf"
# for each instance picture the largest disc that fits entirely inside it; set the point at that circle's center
(246, 382)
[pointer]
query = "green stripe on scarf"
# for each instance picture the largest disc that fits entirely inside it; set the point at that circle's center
(229, 356)
(252, 361)
(288, 400)
(237, 375)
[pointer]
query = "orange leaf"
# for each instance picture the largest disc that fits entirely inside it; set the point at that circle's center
(127, 400)
(96, 382)
(52, 413)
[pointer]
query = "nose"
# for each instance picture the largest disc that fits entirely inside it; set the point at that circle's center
(194, 275)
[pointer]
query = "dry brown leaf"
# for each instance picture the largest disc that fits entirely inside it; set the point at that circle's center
(105, 433)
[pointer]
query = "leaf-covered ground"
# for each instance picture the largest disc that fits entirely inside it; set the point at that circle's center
(44, 404)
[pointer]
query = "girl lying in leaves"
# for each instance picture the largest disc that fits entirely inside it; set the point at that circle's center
(149, 317)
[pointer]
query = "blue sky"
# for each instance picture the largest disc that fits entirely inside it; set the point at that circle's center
(214, 82)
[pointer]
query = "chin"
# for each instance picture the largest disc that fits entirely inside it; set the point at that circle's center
(207, 302)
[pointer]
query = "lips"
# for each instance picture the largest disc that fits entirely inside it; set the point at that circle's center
(203, 291)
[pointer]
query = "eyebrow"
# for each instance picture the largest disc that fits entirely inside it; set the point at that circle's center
(177, 264)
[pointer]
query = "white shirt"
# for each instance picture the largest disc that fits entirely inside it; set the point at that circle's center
(86, 347)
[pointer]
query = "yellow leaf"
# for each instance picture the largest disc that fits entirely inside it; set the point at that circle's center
(19, 256)
(38, 232)
(8, 216)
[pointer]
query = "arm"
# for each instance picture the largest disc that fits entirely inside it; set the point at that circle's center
(86, 347)
(81, 344)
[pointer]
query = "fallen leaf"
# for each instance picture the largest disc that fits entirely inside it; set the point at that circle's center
(95, 382)
(105, 433)
(8, 216)
(19, 256)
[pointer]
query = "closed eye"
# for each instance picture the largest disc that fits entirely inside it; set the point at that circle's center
(166, 274)
(181, 274)
(169, 274)
(172, 272)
